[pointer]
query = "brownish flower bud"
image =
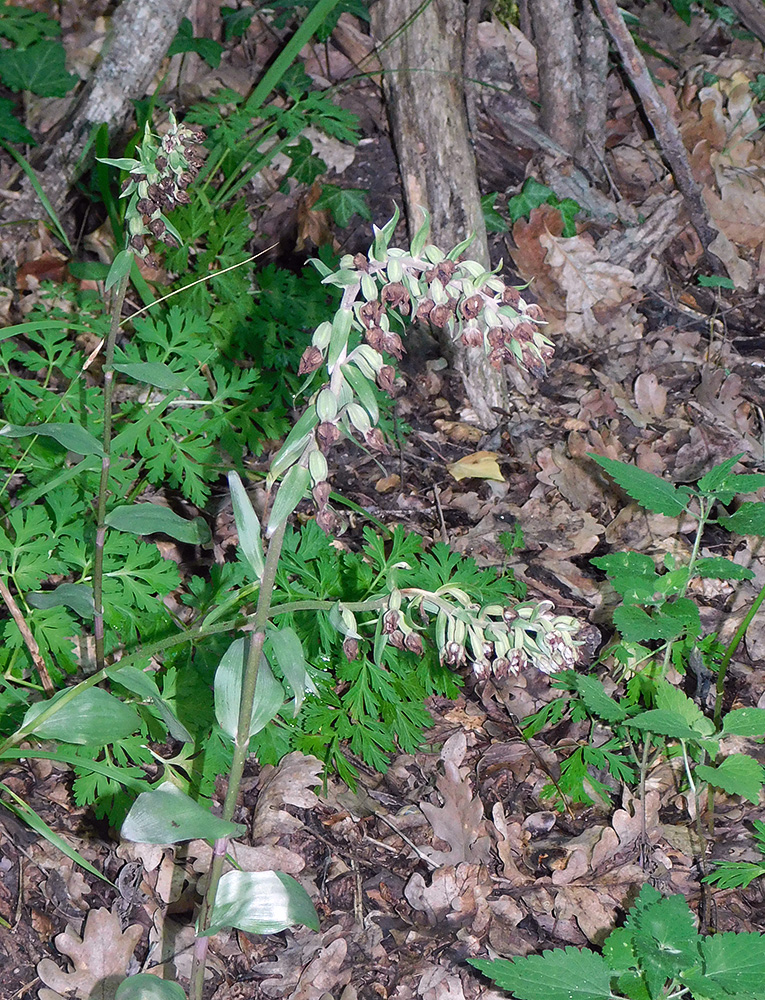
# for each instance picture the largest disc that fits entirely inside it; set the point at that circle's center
(326, 435)
(360, 262)
(146, 206)
(454, 654)
(524, 332)
(327, 520)
(182, 198)
(511, 296)
(386, 378)
(396, 639)
(375, 337)
(442, 271)
(501, 668)
(393, 345)
(472, 306)
(320, 493)
(376, 441)
(151, 260)
(441, 315)
(390, 621)
(496, 336)
(413, 643)
(156, 227)
(533, 311)
(310, 360)
(472, 336)
(351, 648)
(370, 313)
(160, 163)
(395, 294)
(424, 309)
(170, 241)
(138, 243)
(496, 358)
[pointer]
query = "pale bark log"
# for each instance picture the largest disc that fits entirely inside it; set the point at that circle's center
(421, 49)
(139, 36)
(558, 67)
(751, 13)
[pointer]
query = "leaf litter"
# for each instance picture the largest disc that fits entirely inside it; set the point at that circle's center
(640, 377)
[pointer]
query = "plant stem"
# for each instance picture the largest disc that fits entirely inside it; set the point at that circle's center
(241, 750)
(728, 656)
(106, 460)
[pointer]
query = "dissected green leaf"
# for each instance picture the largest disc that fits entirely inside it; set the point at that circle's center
(738, 774)
(94, 718)
(562, 974)
(153, 518)
(167, 815)
(650, 491)
(261, 903)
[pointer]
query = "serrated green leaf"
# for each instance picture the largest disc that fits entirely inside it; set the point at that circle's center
(665, 723)
(636, 625)
(11, 128)
(77, 596)
(735, 961)
(745, 722)
(167, 815)
(749, 519)
(153, 518)
(596, 700)
(144, 986)
(715, 478)
(247, 525)
(153, 373)
(73, 437)
(666, 939)
(650, 491)
(93, 718)
(718, 568)
(670, 698)
(738, 774)
(562, 974)
(291, 492)
(40, 68)
(269, 694)
(261, 903)
(343, 203)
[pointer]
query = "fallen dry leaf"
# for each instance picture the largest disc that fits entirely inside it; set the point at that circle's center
(479, 465)
(100, 959)
(289, 783)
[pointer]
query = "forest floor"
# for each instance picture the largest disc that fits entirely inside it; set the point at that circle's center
(650, 367)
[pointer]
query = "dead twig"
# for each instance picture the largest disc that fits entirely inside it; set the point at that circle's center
(26, 634)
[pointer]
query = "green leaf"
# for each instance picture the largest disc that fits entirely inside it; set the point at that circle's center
(247, 525)
(290, 658)
(670, 698)
(650, 491)
(704, 280)
(144, 685)
(383, 236)
(236, 22)
(636, 625)
(738, 774)
(73, 437)
(745, 722)
(144, 986)
(291, 492)
(77, 596)
(532, 195)
(185, 41)
(119, 269)
(716, 476)
(152, 518)
(167, 815)
(562, 974)
(11, 128)
(493, 220)
(24, 27)
(665, 723)
(343, 203)
(126, 163)
(633, 575)
(735, 961)
(41, 68)
(153, 373)
(306, 166)
(420, 238)
(93, 718)
(666, 939)
(596, 700)
(261, 903)
(718, 568)
(749, 519)
(269, 694)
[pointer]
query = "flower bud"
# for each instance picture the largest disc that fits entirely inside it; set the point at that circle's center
(320, 493)
(310, 360)
(376, 441)
(326, 405)
(386, 378)
(413, 643)
(326, 435)
(351, 648)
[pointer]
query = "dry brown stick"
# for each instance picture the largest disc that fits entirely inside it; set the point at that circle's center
(751, 13)
(26, 634)
(666, 131)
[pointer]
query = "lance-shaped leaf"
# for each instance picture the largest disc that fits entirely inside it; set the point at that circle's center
(70, 436)
(153, 373)
(288, 652)
(167, 816)
(261, 903)
(144, 685)
(77, 596)
(291, 492)
(92, 718)
(269, 694)
(247, 525)
(151, 518)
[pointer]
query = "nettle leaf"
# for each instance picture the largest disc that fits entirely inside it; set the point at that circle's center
(633, 574)
(745, 722)
(261, 903)
(738, 774)
(665, 723)
(749, 519)
(650, 491)
(11, 128)
(595, 699)
(25, 27)
(40, 68)
(636, 625)
(736, 962)
(666, 939)
(205, 48)
(562, 974)
(167, 815)
(671, 699)
(715, 478)
(718, 568)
